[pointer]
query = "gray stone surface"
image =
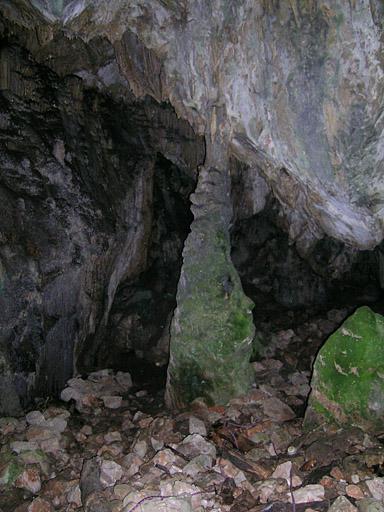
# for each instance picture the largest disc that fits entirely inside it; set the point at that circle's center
(299, 84)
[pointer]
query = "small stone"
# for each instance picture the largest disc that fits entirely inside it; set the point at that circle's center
(36, 457)
(40, 505)
(90, 478)
(23, 507)
(197, 426)
(8, 425)
(342, 504)
(308, 494)
(58, 424)
(189, 493)
(141, 394)
(112, 402)
(284, 470)
(258, 367)
(140, 448)
(370, 505)
(86, 430)
(197, 465)
(127, 425)
(56, 412)
(70, 394)
(80, 438)
(328, 482)
(74, 496)
(51, 445)
(376, 488)
(37, 433)
(164, 458)
(131, 463)
(100, 375)
(122, 490)
(145, 422)
(354, 491)
(277, 410)
(157, 444)
(337, 474)
(112, 450)
(35, 418)
(195, 444)
(112, 437)
(268, 489)
(272, 364)
(29, 480)
(139, 415)
(110, 473)
(55, 490)
(23, 446)
(124, 380)
(227, 469)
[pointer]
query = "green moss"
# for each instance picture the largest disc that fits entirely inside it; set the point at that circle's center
(211, 337)
(194, 384)
(242, 325)
(10, 469)
(338, 19)
(348, 376)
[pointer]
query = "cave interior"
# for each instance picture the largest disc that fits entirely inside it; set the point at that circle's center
(95, 198)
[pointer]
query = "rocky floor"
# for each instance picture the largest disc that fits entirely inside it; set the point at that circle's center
(110, 446)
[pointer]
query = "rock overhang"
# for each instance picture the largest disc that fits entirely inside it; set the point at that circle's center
(299, 82)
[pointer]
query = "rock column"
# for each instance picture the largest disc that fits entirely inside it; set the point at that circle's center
(212, 328)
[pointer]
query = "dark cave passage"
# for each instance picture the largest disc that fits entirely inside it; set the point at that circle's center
(290, 290)
(138, 329)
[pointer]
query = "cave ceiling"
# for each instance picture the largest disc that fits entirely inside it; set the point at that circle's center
(294, 88)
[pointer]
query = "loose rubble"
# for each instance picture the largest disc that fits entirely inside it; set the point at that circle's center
(106, 449)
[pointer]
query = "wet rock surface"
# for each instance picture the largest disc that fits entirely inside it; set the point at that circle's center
(251, 454)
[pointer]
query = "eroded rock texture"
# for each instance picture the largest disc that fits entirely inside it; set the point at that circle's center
(82, 217)
(300, 83)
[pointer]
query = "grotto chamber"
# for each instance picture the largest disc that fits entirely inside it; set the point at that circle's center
(131, 220)
(191, 255)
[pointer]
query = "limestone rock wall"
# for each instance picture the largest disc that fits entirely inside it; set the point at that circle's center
(300, 83)
(76, 222)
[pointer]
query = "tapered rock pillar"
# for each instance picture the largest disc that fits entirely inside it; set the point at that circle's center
(212, 328)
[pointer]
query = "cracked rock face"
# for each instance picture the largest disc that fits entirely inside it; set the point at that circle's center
(295, 87)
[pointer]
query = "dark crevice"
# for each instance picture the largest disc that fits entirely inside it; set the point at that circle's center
(143, 307)
(289, 289)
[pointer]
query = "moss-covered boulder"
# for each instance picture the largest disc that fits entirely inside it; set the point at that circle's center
(10, 469)
(212, 329)
(348, 375)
